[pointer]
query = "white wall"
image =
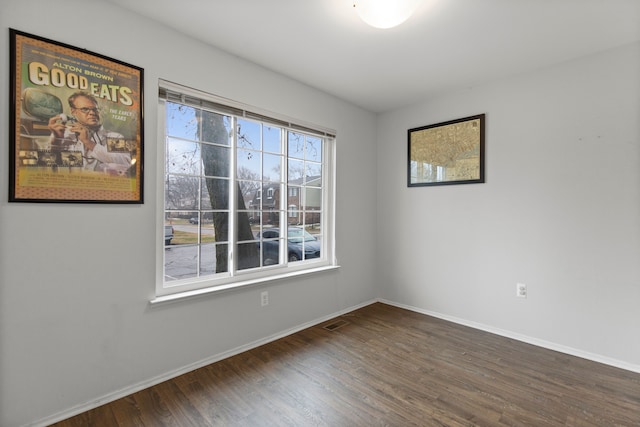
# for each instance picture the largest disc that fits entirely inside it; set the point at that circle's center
(75, 280)
(560, 211)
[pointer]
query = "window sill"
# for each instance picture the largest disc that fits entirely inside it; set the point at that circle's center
(178, 296)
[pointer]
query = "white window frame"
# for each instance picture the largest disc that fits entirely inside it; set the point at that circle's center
(183, 288)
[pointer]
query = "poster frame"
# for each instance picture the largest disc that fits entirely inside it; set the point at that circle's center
(45, 167)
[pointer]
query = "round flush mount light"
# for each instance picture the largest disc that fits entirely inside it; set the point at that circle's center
(385, 13)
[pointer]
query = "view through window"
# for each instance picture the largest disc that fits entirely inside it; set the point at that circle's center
(242, 194)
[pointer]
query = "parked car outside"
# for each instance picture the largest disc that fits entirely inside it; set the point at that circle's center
(168, 234)
(298, 239)
(193, 220)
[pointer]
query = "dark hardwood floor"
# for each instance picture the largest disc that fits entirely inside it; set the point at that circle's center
(386, 366)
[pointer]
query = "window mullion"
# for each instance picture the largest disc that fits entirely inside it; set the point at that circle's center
(233, 202)
(284, 179)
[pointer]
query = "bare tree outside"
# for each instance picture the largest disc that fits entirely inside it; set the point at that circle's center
(186, 156)
(215, 160)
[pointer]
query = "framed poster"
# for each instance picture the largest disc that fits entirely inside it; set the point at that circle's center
(447, 153)
(76, 125)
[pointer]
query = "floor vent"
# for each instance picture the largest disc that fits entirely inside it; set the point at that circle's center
(335, 325)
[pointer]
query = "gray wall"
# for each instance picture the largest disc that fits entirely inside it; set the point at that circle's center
(560, 211)
(75, 323)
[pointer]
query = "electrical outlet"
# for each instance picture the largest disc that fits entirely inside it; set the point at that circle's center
(521, 290)
(264, 298)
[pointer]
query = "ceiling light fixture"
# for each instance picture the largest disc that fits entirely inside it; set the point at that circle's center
(385, 13)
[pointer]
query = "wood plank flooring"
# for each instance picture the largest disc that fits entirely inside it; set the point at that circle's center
(386, 367)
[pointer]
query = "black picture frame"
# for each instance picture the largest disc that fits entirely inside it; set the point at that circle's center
(77, 124)
(447, 153)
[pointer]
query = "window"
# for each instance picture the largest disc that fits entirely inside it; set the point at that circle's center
(248, 196)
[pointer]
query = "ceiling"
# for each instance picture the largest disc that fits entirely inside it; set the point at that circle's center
(446, 45)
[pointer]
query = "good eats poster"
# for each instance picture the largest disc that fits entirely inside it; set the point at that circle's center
(77, 125)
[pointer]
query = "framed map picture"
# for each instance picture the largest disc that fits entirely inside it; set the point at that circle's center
(447, 153)
(76, 125)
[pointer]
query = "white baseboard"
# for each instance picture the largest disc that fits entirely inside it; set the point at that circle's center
(519, 337)
(126, 391)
